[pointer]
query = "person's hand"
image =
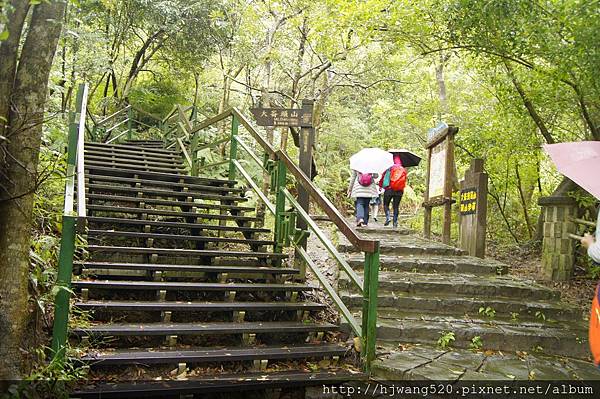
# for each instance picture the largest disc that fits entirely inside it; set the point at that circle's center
(587, 241)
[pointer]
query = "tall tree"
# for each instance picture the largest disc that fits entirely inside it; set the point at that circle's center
(19, 178)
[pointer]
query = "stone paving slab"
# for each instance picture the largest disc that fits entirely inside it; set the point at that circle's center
(460, 284)
(433, 264)
(514, 310)
(426, 362)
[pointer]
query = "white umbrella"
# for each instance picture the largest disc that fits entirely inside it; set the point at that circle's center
(371, 160)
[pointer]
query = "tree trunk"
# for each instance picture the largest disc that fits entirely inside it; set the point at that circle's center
(439, 75)
(8, 59)
(523, 201)
(16, 205)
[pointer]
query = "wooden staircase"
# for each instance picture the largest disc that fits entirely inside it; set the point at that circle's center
(175, 282)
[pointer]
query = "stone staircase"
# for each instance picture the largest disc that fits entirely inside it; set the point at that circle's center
(495, 325)
(175, 283)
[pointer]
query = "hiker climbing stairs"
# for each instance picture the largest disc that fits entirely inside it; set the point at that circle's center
(441, 310)
(174, 280)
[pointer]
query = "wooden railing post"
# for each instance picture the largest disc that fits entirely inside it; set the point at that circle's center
(235, 124)
(369, 310)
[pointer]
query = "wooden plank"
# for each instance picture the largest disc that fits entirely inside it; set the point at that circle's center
(215, 355)
(198, 306)
(186, 252)
(203, 328)
(186, 286)
(187, 268)
(199, 226)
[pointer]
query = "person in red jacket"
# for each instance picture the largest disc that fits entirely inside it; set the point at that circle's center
(393, 182)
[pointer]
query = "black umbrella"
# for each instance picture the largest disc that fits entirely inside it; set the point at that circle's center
(407, 157)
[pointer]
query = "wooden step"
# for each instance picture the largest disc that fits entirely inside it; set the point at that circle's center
(90, 163)
(158, 223)
(219, 382)
(177, 306)
(156, 201)
(187, 286)
(150, 182)
(177, 237)
(136, 210)
(172, 177)
(187, 268)
(165, 193)
(140, 153)
(127, 160)
(187, 252)
(212, 355)
(144, 329)
(104, 146)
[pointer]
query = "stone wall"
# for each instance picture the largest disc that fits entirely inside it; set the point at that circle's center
(558, 249)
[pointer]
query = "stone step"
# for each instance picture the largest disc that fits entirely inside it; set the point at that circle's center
(458, 284)
(505, 309)
(560, 340)
(405, 245)
(428, 362)
(433, 264)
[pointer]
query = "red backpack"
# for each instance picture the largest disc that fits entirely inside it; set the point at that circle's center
(397, 178)
(365, 179)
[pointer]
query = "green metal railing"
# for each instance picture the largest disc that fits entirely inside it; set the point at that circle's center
(73, 215)
(286, 234)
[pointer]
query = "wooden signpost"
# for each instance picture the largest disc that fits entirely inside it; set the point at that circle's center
(473, 209)
(303, 118)
(440, 177)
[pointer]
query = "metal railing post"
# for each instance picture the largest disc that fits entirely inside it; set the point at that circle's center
(369, 310)
(280, 179)
(195, 168)
(130, 123)
(63, 281)
(233, 145)
(67, 246)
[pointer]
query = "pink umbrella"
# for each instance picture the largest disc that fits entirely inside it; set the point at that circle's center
(579, 161)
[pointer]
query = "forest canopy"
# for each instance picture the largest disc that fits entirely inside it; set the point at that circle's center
(511, 74)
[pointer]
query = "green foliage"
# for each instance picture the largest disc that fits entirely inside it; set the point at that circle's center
(446, 339)
(540, 315)
(514, 316)
(157, 97)
(487, 311)
(476, 343)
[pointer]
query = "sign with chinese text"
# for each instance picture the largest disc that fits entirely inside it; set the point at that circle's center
(468, 201)
(282, 117)
(437, 171)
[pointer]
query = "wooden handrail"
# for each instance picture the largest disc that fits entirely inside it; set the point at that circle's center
(246, 123)
(103, 121)
(327, 207)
